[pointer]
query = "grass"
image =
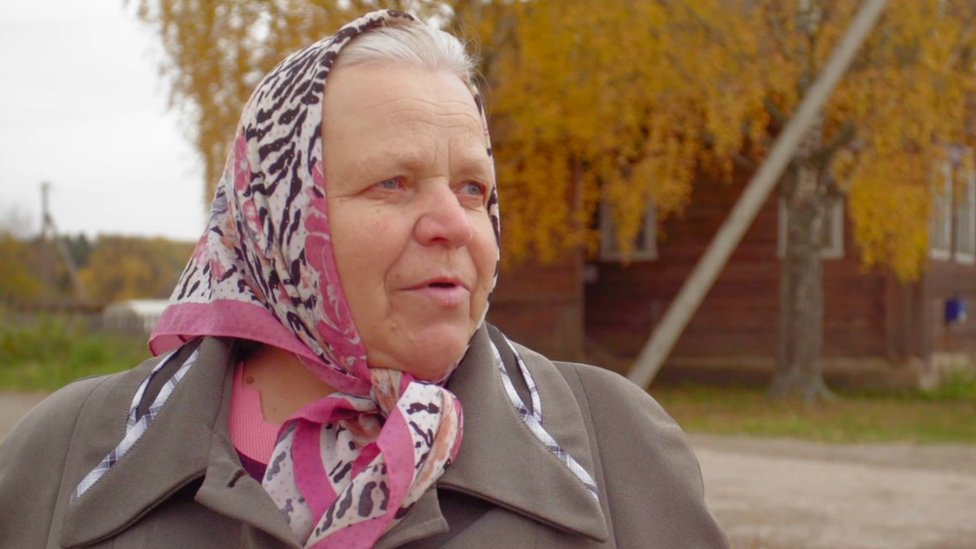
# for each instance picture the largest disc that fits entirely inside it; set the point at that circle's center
(46, 353)
(941, 416)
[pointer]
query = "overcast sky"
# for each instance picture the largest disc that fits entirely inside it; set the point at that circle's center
(82, 106)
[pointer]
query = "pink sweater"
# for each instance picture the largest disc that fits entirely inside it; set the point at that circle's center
(252, 435)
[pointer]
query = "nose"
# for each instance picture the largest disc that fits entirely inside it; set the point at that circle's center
(443, 220)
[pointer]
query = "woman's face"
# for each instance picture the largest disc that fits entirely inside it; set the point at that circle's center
(407, 178)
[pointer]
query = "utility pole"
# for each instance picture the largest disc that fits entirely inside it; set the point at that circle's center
(50, 232)
(666, 334)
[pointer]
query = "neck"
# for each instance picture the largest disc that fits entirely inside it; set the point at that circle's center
(283, 381)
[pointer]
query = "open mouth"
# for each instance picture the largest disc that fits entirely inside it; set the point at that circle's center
(443, 291)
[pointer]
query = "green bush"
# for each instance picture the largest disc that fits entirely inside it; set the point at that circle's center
(958, 385)
(47, 352)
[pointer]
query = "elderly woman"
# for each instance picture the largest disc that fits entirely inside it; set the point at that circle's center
(324, 339)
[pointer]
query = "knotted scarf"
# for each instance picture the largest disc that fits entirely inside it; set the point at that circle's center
(347, 467)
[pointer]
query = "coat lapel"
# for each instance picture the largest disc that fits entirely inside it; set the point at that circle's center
(503, 463)
(187, 441)
(229, 490)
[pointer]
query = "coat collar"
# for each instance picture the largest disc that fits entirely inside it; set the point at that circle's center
(188, 441)
(500, 460)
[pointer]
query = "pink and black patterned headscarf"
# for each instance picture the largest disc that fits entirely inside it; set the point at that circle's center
(345, 467)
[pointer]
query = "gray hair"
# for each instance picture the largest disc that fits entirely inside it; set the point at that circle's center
(414, 43)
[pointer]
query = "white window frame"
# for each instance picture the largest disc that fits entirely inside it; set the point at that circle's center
(940, 229)
(965, 211)
(609, 251)
(834, 221)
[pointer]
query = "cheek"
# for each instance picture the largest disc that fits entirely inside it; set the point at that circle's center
(484, 253)
(365, 248)
(363, 236)
(343, 235)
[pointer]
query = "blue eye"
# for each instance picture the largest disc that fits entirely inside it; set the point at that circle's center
(391, 184)
(473, 188)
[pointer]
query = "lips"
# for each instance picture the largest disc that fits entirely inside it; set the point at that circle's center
(444, 282)
(442, 291)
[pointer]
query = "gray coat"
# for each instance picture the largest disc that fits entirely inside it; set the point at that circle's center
(182, 484)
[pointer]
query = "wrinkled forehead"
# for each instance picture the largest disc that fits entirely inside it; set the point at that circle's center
(382, 120)
(386, 93)
(396, 86)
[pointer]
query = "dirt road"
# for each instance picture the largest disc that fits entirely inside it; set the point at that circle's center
(13, 406)
(790, 494)
(786, 494)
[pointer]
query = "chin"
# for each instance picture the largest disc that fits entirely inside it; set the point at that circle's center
(429, 357)
(435, 360)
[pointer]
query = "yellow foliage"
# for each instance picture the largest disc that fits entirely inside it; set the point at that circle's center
(612, 89)
(121, 267)
(634, 101)
(909, 96)
(17, 282)
(890, 212)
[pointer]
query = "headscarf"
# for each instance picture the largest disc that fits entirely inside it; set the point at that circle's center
(346, 467)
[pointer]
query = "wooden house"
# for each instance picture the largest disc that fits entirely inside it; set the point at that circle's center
(876, 328)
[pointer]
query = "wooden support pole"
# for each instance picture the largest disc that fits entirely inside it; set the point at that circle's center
(689, 298)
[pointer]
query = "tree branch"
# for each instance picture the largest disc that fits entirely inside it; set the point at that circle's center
(844, 137)
(779, 116)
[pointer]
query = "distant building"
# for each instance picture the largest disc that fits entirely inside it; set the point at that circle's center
(875, 326)
(135, 316)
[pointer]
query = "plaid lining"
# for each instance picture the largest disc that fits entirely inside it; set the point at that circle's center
(135, 425)
(533, 417)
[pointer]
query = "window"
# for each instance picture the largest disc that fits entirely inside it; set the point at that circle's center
(645, 244)
(940, 232)
(952, 234)
(832, 230)
(966, 220)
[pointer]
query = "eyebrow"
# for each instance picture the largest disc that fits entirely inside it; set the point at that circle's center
(413, 159)
(374, 164)
(479, 168)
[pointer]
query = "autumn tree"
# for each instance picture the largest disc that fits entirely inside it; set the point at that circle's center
(33, 271)
(128, 267)
(647, 98)
(631, 103)
(17, 282)
(888, 127)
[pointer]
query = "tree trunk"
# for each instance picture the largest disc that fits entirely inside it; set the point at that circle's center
(800, 343)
